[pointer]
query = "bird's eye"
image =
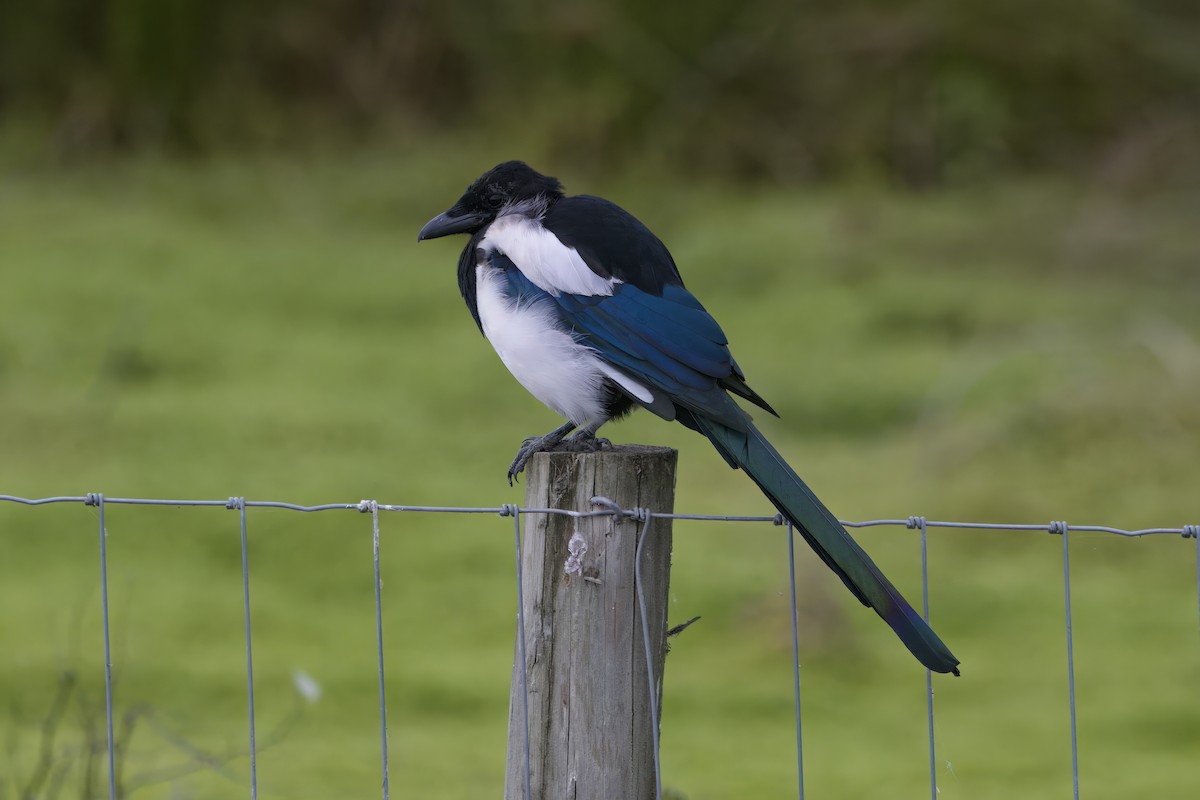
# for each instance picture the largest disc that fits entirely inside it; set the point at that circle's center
(495, 200)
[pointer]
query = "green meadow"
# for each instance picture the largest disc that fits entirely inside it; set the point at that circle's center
(268, 327)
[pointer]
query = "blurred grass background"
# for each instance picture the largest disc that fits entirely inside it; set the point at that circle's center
(953, 243)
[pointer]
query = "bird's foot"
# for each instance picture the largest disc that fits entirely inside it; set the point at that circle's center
(582, 441)
(531, 445)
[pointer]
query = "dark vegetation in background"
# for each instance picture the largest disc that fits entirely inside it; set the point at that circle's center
(926, 92)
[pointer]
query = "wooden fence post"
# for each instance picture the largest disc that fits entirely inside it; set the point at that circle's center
(589, 703)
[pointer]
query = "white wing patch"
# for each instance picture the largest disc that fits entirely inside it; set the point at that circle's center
(627, 383)
(543, 258)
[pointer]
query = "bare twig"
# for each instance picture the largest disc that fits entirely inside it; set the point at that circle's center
(49, 730)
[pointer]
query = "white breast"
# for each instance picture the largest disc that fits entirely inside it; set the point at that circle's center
(564, 374)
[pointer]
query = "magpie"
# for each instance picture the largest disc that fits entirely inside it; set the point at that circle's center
(587, 310)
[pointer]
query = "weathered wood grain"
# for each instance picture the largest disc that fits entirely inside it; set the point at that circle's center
(589, 702)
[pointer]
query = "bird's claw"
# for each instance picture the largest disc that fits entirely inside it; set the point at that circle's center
(580, 442)
(531, 445)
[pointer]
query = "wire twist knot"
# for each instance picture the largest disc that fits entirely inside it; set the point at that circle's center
(915, 521)
(1058, 526)
(611, 505)
(236, 503)
(367, 506)
(508, 510)
(93, 499)
(1191, 531)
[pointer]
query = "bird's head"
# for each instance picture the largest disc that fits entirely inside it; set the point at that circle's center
(502, 187)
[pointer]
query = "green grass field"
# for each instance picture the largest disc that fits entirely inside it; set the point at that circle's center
(268, 327)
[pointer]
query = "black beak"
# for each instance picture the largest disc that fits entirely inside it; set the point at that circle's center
(450, 222)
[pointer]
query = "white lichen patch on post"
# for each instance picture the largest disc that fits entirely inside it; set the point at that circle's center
(576, 549)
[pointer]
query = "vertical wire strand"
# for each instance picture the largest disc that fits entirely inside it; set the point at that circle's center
(516, 515)
(1063, 529)
(241, 506)
(650, 679)
(933, 790)
(383, 734)
(1196, 535)
(795, 657)
(108, 693)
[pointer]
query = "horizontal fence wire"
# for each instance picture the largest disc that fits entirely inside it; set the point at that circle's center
(602, 507)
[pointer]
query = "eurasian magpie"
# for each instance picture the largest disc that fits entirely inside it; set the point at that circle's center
(586, 308)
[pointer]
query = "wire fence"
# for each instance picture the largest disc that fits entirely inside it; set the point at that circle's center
(603, 507)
